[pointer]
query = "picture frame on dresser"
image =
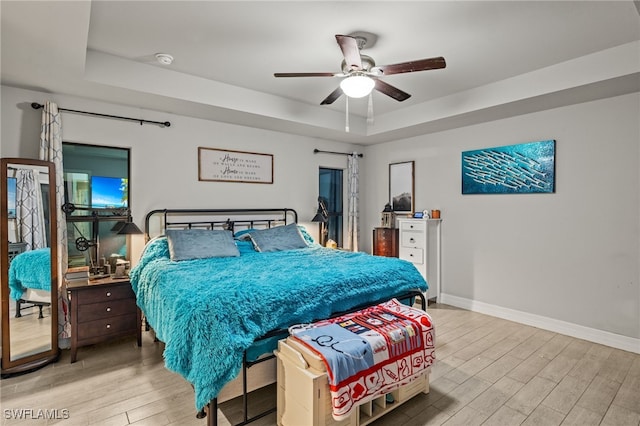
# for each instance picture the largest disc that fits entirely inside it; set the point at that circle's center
(402, 186)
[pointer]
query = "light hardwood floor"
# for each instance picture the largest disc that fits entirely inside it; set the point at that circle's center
(489, 372)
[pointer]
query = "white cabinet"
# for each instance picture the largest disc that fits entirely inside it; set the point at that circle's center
(420, 244)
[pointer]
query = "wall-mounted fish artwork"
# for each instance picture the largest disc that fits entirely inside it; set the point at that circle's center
(523, 168)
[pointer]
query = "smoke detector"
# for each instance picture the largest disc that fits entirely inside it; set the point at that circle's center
(164, 58)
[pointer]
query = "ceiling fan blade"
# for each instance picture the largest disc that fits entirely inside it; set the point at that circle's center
(332, 97)
(411, 66)
(350, 51)
(305, 74)
(391, 91)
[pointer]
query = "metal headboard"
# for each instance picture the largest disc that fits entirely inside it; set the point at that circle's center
(158, 221)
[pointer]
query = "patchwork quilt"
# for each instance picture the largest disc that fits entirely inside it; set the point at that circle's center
(370, 352)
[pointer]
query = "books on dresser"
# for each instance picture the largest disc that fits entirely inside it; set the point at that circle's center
(77, 273)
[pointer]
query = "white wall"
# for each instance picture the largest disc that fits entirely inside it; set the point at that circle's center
(570, 258)
(164, 161)
(566, 261)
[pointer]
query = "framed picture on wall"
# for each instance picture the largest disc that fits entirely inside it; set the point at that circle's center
(225, 165)
(401, 187)
(514, 169)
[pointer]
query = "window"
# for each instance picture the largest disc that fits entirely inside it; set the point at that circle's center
(96, 186)
(331, 189)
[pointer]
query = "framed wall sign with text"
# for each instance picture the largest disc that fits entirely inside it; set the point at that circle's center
(224, 165)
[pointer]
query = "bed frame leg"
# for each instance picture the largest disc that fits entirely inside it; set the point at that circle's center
(211, 412)
(245, 390)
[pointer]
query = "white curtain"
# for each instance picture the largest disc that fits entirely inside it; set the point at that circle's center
(352, 203)
(51, 150)
(30, 209)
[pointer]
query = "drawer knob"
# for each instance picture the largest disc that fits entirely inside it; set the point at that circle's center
(411, 255)
(108, 294)
(412, 240)
(108, 309)
(108, 325)
(411, 226)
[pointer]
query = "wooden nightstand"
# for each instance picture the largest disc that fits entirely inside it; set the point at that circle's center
(102, 310)
(385, 242)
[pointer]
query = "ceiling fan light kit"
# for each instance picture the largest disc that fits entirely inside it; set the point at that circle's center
(361, 75)
(357, 86)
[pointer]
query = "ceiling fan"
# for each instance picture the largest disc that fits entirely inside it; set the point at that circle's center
(361, 75)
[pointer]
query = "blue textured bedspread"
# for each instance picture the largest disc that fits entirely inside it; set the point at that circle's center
(31, 269)
(209, 311)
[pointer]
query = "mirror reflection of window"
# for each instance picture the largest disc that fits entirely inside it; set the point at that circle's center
(77, 189)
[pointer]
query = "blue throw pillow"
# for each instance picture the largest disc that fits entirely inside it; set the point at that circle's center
(278, 238)
(187, 244)
(243, 235)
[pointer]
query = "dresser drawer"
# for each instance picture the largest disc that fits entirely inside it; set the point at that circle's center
(95, 330)
(413, 225)
(412, 239)
(104, 293)
(384, 245)
(413, 255)
(108, 309)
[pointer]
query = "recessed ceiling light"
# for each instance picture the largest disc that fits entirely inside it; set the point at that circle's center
(164, 58)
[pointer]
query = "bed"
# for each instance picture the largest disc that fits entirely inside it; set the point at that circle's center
(218, 314)
(30, 280)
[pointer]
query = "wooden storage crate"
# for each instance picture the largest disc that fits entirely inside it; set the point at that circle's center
(303, 391)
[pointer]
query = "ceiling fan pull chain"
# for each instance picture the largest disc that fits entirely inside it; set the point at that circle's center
(370, 110)
(346, 126)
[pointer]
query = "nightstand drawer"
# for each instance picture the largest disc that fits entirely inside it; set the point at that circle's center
(413, 225)
(94, 330)
(413, 255)
(108, 309)
(104, 293)
(102, 310)
(412, 239)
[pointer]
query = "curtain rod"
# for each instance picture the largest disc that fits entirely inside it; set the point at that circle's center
(36, 105)
(315, 151)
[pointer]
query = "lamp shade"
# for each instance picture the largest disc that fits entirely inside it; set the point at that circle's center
(319, 217)
(322, 215)
(129, 228)
(357, 86)
(118, 226)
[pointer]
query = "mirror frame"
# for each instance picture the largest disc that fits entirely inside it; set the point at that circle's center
(31, 362)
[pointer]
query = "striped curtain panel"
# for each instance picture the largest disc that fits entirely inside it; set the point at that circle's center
(30, 209)
(51, 150)
(353, 188)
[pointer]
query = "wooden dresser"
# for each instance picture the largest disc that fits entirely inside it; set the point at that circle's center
(385, 242)
(102, 310)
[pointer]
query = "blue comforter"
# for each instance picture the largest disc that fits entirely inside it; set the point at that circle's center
(209, 311)
(31, 269)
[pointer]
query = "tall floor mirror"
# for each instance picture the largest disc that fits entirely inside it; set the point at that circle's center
(28, 266)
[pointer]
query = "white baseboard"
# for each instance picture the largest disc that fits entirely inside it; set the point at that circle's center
(574, 330)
